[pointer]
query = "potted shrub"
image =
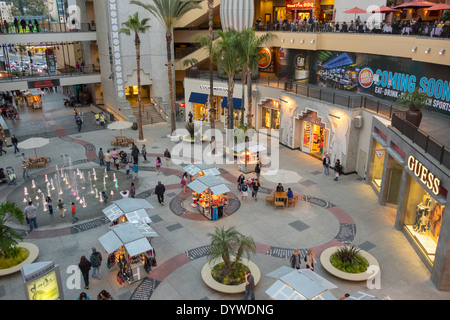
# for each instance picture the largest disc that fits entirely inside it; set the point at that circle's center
(12, 253)
(228, 258)
(414, 101)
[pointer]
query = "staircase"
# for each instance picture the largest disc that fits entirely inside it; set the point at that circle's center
(149, 114)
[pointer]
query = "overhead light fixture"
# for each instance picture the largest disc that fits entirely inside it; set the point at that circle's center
(414, 49)
(332, 115)
(442, 51)
(428, 50)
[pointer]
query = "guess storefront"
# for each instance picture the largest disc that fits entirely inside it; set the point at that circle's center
(411, 181)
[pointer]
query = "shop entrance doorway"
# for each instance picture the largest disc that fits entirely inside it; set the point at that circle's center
(394, 174)
(314, 135)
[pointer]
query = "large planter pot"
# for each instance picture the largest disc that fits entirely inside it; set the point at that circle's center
(414, 115)
(363, 276)
(213, 284)
(33, 254)
(237, 14)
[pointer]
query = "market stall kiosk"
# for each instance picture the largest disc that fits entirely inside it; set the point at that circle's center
(33, 98)
(198, 170)
(210, 196)
(128, 246)
(252, 153)
(128, 210)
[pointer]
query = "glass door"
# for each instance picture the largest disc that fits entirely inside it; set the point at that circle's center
(306, 137)
(394, 174)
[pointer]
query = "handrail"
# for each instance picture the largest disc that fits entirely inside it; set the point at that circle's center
(67, 71)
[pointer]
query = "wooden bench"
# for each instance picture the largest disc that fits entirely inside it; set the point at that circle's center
(41, 164)
(279, 204)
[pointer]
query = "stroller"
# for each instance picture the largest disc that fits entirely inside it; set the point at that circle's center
(123, 157)
(11, 176)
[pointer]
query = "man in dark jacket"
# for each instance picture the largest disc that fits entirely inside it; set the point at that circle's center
(23, 24)
(96, 261)
(159, 191)
(14, 141)
(79, 122)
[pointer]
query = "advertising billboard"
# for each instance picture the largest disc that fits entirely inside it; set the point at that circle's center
(42, 281)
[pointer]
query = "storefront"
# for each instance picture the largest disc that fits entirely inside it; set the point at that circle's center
(405, 178)
(299, 9)
(269, 112)
(314, 135)
(33, 98)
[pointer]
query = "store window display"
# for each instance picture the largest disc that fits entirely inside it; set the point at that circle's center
(377, 164)
(424, 218)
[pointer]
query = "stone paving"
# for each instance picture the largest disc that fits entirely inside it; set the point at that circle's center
(329, 213)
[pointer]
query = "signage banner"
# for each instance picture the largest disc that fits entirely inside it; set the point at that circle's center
(381, 76)
(43, 83)
(379, 152)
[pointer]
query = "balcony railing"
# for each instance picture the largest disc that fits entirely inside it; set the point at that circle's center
(435, 149)
(67, 71)
(425, 29)
(46, 26)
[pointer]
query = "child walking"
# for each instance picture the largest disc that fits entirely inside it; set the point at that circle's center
(74, 212)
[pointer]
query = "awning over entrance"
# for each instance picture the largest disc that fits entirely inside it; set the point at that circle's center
(237, 103)
(200, 98)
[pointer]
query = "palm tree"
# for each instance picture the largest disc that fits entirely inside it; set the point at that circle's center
(249, 45)
(230, 245)
(137, 26)
(7, 235)
(169, 12)
(226, 52)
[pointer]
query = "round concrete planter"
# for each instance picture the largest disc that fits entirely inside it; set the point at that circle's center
(34, 252)
(363, 276)
(213, 284)
(189, 140)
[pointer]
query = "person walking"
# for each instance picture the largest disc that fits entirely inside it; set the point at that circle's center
(127, 169)
(135, 154)
(101, 157)
(257, 170)
(74, 213)
(50, 204)
(23, 24)
(105, 197)
(75, 113)
(326, 165)
(310, 259)
(30, 215)
(255, 188)
(83, 296)
(158, 165)
(96, 262)
(79, 122)
(25, 170)
(244, 190)
(85, 267)
(337, 170)
(77, 65)
(144, 153)
(104, 295)
(108, 160)
(6, 25)
(168, 157)
(132, 190)
(15, 141)
(135, 170)
(184, 181)
(61, 208)
(240, 181)
(295, 259)
(159, 191)
(249, 285)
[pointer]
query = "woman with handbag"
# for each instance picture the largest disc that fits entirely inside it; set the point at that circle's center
(85, 266)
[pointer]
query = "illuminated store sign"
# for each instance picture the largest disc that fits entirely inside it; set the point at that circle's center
(424, 175)
(301, 5)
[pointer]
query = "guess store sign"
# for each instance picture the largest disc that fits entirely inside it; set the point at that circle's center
(425, 176)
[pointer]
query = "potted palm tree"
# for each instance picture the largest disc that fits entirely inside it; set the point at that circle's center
(228, 257)
(133, 24)
(415, 101)
(169, 12)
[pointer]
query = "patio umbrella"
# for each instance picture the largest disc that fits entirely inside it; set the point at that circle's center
(416, 4)
(33, 143)
(120, 125)
(439, 6)
(355, 10)
(384, 9)
(281, 176)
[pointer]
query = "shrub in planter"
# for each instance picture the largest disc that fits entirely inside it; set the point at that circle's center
(348, 259)
(9, 253)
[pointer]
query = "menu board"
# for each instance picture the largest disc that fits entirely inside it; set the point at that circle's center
(44, 287)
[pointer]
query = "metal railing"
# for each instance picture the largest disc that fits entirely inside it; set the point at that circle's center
(435, 149)
(45, 26)
(67, 71)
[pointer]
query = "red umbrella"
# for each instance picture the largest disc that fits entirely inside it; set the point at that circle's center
(415, 4)
(355, 10)
(384, 9)
(439, 6)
